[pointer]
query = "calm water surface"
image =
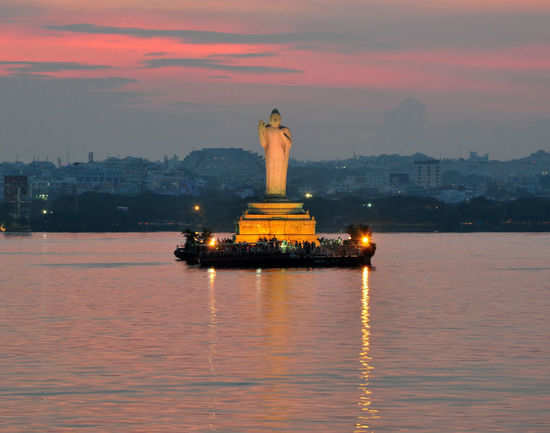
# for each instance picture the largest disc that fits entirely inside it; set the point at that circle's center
(107, 333)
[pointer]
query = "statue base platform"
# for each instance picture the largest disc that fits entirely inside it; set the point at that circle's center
(281, 219)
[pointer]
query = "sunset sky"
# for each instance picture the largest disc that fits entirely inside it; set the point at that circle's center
(155, 77)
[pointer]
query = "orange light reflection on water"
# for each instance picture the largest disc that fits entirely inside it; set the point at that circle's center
(367, 412)
(212, 347)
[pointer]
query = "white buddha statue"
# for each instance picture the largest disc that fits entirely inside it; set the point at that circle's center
(276, 141)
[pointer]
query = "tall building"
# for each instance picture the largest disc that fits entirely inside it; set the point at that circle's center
(428, 173)
(17, 194)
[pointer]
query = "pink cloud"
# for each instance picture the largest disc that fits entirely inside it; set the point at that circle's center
(438, 70)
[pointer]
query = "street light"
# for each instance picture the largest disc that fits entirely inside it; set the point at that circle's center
(196, 208)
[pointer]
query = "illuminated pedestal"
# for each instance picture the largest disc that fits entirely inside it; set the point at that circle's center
(280, 219)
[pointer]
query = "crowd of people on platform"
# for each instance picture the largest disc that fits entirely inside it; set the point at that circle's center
(274, 246)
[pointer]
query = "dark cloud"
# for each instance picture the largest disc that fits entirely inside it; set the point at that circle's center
(199, 36)
(403, 28)
(106, 82)
(216, 65)
(490, 30)
(11, 11)
(393, 29)
(244, 55)
(41, 67)
(156, 54)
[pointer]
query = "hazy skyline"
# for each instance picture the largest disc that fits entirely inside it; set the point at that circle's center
(125, 77)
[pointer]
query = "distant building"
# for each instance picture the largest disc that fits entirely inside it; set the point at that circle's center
(17, 194)
(474, 156)
(238, 167)
(399, 179)
(428, 173)
(40, 188)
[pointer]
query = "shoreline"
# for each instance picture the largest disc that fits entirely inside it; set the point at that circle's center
(321, 234)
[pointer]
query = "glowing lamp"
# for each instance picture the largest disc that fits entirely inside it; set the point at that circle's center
(44, 211)
(365, 240)
(212, 242)
(308, 195)
(196, 208)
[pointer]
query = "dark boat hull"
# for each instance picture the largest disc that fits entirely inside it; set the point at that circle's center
(283, 262)
(275, 260)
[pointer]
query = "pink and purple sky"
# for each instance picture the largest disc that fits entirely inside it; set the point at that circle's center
(148, 78)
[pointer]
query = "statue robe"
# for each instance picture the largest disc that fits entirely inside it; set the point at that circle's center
(276, 143)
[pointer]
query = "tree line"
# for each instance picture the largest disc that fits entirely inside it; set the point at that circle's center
(96, 212)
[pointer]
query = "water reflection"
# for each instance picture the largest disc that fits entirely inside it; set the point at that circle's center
(276, 303)
(212, 323)
(367, 412)
(213, 340)
(258, 290)
(212, 297)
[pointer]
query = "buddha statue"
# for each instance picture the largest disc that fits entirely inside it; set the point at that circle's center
(276, 141)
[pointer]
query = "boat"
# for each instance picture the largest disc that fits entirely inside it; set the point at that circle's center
(204, 250)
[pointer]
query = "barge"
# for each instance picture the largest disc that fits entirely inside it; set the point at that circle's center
(207, 251)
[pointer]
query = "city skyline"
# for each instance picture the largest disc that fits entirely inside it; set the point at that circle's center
(61, 160)
(124, 77)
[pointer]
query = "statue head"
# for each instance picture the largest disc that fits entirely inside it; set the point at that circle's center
(275, 118)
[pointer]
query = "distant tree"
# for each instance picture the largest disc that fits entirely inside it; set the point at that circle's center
(357, 231)
(190, 238)
(205, 235)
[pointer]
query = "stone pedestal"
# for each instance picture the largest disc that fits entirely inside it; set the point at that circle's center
(283, 220)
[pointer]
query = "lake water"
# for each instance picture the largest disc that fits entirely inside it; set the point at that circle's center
(107, 333)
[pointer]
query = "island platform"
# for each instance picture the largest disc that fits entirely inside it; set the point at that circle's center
(282, 219)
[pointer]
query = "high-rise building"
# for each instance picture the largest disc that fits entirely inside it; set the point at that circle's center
(17, 194)
(428, 173)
